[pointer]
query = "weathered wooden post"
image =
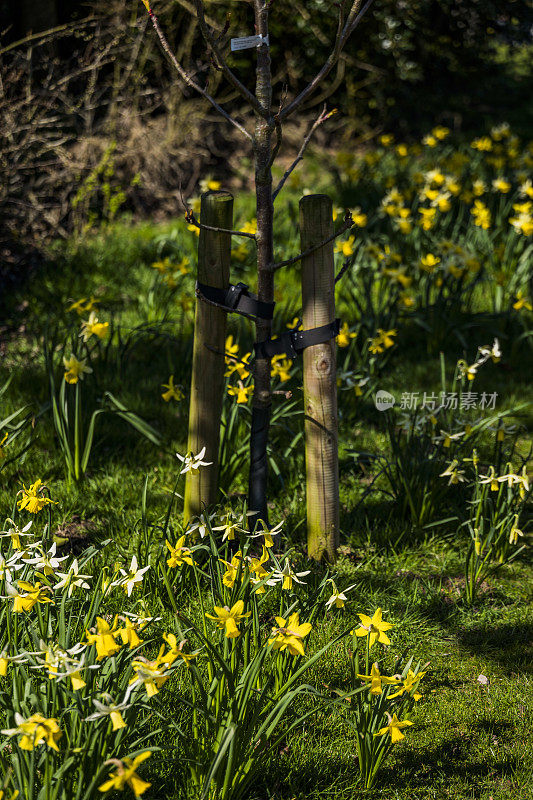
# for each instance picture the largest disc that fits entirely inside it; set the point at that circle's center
(208, 366)
(320, 385)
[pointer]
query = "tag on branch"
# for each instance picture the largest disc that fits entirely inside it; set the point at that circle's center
(245, 42)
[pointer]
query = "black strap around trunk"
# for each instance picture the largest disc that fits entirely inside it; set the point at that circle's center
(293, 342)
(237, 299)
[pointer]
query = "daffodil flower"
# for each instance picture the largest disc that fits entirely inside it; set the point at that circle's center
(34, 731)
(409, 685)
(28, 596)
(394, 728)
(33, 499)
(374, 628)
(229, 618)
(191, 462)
(345, 335)
(173, 392)
(104, 638)
(153, 674)
(111, 710)
(133, 577)
(71, 579)
(286, 576)
(74, 369)
(176, 651)
(125, 774)
(232, 569)
(337, 598)
(289, 634)
(377, 680)
(94, 328)
(179, 554)
(47, 562)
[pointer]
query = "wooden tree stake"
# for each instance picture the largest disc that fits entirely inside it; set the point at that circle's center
(208, 365)
(320, 382)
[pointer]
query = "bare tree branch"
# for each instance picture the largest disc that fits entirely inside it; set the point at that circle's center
(187, 78)
(230, 76)
(191, 219)
(321, 118)
(343, 33)
(348, 223)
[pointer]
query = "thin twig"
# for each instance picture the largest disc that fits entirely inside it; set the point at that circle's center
(187, 78)
(321, 118)
(231, 77)
(191, 219)
(348, 223)
(352, 21)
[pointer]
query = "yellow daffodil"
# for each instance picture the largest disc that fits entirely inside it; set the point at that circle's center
(481, 215)
(104, 638)
(179, 554)
(173, 392)
(377, 680)
(34, 731)
(409, 685)
(150, 673)
(289, 634)
(345, 335)
(501, 185)
(241, 392)
(33, 594)
(374, 628)
(522, 302)
(427, 218)
(394, 728)
(94, 328)
(125, 774)
(32, 499)
(129, 634)
(382, 341)
(280, 368)
(175, 651)
(83, 306)
(74, 369)
(232, 569)
(230, 618)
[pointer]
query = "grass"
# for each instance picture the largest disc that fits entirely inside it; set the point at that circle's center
(472, 734)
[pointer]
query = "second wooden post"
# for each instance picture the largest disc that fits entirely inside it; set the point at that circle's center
(208, 365)
(320, 384)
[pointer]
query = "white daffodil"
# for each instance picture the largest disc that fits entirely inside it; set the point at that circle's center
(191, 462)
(133, 577)
(200, 525)
(493, 352)
(337, 598)
(287, 576)
(15, 533)
(268, 533)
(47, 562)
(63, 663)
(111, 710)
(7, 568)
(72, 578)
(453, 473)
(232, 526)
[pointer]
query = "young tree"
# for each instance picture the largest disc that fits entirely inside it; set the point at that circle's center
(265, 142)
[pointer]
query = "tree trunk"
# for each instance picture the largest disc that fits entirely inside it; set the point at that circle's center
(262, 398)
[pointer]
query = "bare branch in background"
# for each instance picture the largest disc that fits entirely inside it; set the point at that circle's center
(184, 75)
(344, 31)
(322, 118)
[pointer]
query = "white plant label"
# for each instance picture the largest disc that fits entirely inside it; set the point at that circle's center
(245, 42)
